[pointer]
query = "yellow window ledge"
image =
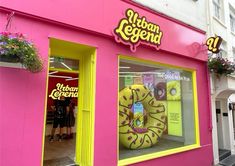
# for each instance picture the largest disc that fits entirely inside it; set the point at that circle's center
(156, 155)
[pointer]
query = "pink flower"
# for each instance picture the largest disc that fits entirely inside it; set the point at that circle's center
(5, 33)
(20, 35)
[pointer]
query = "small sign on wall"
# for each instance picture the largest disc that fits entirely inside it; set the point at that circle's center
(213, 44)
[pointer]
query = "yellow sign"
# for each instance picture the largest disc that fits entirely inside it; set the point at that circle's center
(134, 30)
(174, 118)
(62, 90)
(214, 43)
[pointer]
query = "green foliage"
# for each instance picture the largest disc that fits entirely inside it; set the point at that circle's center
(221, 66)
(15, 48)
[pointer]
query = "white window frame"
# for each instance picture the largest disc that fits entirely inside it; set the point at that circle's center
(233, 54)
(223, 50)
(232, 19)
(217, 7)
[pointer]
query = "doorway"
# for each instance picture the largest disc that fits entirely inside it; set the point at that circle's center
(233, 117)
(69, 112)
(219, 117)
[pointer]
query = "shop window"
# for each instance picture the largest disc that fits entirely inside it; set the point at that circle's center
(157, 110)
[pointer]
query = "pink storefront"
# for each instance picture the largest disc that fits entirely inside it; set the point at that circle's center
(138, 82)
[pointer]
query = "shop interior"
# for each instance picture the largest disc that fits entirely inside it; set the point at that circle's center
(71, 74)
(63, 84)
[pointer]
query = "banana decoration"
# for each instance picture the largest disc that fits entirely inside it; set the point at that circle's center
(135, 130)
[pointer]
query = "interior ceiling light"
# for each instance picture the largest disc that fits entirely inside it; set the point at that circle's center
(59, 76)
(70, 79)
(129, 76)
(136, 72)
(65, 65)
(53, 72)
(51, 59)
(124, 67)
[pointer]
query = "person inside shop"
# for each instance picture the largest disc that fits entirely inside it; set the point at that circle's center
(70, 119)
(59, 109)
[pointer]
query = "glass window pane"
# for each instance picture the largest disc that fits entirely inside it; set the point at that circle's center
(232, 22)
(156, 109)
(233, 56)
(63, 63)
(216, 2)
(216, 11)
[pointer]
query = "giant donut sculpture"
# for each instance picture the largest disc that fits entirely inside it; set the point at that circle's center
(147, 135)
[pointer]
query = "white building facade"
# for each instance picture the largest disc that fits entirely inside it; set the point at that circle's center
(221, 17)
(216, 18)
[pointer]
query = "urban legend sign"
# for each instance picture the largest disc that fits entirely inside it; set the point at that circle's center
(134, 30)
(62, 90)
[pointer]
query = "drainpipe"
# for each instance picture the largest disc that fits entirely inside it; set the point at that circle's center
(209, 5)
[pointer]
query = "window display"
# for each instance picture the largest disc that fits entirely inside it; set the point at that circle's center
(156, 108)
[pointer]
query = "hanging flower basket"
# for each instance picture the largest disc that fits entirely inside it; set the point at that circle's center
(220, 66)
(15, 48)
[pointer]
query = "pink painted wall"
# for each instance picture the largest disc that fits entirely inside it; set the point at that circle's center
(103, 16)
(22, 95)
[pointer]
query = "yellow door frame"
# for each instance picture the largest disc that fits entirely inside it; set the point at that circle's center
(84, 149)
(86, 116)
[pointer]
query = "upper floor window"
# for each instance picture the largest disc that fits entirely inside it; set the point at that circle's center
(233, 54)
(232, 23)
(232, 19)
(217, 5)
(223, 49)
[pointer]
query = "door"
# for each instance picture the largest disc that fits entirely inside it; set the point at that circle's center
(219, 125)
(72, 59)
(233, 117)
